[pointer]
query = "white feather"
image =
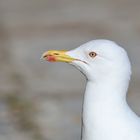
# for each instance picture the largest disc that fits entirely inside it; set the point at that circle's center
(106, 114)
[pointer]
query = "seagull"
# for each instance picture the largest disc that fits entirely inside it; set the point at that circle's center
(106, 66)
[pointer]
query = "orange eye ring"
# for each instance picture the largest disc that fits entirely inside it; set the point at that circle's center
(92, 54)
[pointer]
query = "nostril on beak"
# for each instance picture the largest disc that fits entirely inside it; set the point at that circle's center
(56, 54)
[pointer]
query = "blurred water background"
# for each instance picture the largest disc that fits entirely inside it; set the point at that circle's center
(42, 101)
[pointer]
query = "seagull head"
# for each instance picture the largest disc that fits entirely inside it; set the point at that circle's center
(97, 59)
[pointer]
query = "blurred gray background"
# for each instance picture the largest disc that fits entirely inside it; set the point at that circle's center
(39, 100)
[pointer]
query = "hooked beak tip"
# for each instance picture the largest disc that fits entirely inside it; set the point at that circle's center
(44, 55)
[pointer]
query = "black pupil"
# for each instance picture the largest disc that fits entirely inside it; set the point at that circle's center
(92, 54)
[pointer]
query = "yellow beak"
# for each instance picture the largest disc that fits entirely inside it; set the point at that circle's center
(57, 56)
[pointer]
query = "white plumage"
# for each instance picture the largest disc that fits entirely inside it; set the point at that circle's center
(106, 114)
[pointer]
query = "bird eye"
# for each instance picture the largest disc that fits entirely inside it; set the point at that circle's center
(92, 54)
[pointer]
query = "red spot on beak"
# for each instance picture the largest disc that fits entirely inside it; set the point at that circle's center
(51, 58)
